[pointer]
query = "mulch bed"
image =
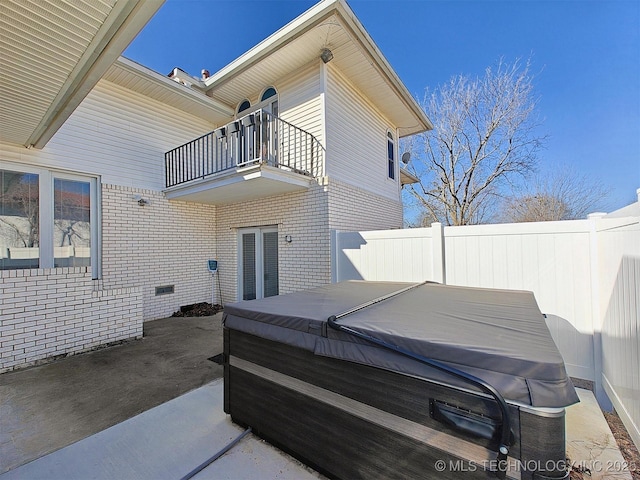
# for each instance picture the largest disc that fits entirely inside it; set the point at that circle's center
(626, 445)
(203, 309)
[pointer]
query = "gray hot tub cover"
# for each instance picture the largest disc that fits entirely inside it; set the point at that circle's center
(499, 336)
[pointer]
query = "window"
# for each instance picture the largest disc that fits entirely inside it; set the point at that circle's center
(268, 93)
(47, 219)
(391, 155)
(19, 220)
(244, 105)
(269, 101)
(72, 223)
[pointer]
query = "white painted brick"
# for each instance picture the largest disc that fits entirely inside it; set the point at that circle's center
(142, 249)
(6, 332)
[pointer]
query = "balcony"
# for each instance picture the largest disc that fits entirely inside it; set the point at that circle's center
(256, 156)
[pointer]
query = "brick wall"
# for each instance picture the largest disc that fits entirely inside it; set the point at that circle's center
(58, 311)
(303, 263)
(160, 243)
(52, 312)
(308, 217)
(355, 209)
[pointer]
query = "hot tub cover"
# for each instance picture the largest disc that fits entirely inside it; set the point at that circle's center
(499, 336)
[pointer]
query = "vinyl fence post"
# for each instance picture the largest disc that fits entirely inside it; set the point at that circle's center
(335, 277)
(438, 273)
(596, 314)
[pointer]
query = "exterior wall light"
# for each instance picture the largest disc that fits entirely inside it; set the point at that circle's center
(326, 55)
(288, 239)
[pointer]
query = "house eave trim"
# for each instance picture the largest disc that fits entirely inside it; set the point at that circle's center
(384, 68)
(176, 88)
(124, 22)
(308, 20)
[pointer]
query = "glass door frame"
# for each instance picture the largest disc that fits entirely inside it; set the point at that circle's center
(258, 258)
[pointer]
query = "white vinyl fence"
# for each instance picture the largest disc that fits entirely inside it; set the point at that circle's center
(585, 275)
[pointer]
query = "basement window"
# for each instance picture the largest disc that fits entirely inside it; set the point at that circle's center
(165, 290)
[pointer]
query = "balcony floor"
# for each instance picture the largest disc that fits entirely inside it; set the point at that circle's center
(239, 185)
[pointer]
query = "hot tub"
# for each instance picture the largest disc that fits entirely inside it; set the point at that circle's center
(394, 380)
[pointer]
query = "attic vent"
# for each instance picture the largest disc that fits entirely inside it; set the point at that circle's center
(164, 290)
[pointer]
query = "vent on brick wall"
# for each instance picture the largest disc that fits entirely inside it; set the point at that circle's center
(164, 290)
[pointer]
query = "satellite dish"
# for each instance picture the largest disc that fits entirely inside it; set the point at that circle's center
(406, 158)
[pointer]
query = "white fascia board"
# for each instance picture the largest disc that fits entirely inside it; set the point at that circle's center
(176, 88)
(286, 34)
(125, 21)
(381, 63)
(305, 22)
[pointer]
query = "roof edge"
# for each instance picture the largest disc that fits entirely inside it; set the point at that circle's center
(291, 30)
(301, 24)
(381, 61)
(193, 94)
(125, 21)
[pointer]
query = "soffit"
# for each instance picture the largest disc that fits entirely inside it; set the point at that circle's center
(52, 52)
(133, 76)
(299, 44)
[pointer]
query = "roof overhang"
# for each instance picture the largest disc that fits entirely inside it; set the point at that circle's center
(136, 77)
(407, 178)
(74, 43)
(329, 24)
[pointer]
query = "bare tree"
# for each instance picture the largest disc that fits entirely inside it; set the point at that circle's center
(484, 136)
(564, 194)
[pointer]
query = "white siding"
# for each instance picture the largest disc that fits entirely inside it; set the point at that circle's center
(300, 101)
(117, 134)
(357, 140)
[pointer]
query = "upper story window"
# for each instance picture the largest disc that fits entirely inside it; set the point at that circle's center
(244, 105)
(269, 101)
(47, 219)
(268, 93)
(391, 155)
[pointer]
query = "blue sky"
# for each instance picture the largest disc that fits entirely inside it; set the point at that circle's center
(585, 54)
